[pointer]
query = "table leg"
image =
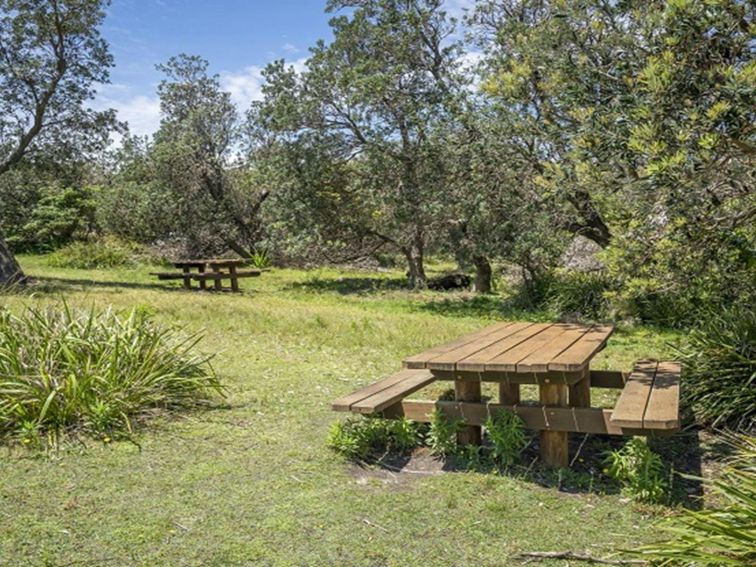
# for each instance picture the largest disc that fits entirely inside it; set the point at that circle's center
(468, 392)
(554, 449)
(509, 394)
(580, 392)
(187, 277)
(202, 283)
(217, 283)
(234, 279)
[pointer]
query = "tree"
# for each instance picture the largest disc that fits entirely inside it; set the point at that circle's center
(51, 57)
(373, 96)
(193, 154)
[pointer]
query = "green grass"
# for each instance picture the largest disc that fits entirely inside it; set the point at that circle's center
(252, 482)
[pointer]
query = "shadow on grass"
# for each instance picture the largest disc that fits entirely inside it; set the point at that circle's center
(682, 453)
(47, 284)
(350, 286)
(491, 306)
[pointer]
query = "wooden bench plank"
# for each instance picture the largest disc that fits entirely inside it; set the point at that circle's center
(663, 408)
(169, 275)
(538, 361)
(476, 356)
(631, 405)
(389, 396)
(508, 361)
(345, 403)
(579, 354)
(449, 360)
(420, 360)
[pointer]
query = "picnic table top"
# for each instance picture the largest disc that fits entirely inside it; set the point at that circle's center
(219, 262)
(518, 347)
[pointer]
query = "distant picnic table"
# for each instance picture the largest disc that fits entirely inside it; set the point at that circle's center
(555, 357)
(214, 270)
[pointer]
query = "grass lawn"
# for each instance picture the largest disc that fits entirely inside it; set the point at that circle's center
(252, 482)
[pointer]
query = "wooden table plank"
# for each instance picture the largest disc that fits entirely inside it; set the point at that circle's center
(420, 360)
(631, 405)
(579, 354)
(449, 360)
(476, 360)
(663, 408)
(507, 361)
(538, 360)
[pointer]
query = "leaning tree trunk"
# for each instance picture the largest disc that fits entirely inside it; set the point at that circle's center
(10, 271)
(416, 269)
(482, 274)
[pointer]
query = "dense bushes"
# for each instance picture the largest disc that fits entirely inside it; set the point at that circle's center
(100, 253)
(719, 358)
(64, 371)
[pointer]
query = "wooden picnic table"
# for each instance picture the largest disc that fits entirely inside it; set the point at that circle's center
(554, 356)
(219, 269)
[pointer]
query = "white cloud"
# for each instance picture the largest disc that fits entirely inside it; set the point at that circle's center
(141, 112)
(246, 86)
(290, 47)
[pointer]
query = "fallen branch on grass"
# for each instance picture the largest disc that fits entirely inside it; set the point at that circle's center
(529, 555)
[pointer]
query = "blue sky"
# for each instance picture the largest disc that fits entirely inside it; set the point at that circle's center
(237, 37)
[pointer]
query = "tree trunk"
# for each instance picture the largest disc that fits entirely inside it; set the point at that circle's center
(482, 274)
(416, 270)
(10, 271)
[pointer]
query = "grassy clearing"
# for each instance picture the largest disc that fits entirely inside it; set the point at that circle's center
(252, 482)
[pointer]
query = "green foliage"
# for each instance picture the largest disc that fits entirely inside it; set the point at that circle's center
(58, 216)
(719, 360)
(64, 371)
(360, 437)
(723, 534)
(506, 432)
(442, 434)
(640, 471)
(261, 258)
(107, 252)
(578, 293)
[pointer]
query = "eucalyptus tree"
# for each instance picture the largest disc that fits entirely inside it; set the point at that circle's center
(373, 96)
(51, 59)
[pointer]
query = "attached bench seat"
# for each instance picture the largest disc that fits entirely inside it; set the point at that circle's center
(650, 398)
(224, 275)
(384, 393)
(169, 275)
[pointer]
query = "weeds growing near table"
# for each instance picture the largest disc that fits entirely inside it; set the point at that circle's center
(65, 371)
(640, 471)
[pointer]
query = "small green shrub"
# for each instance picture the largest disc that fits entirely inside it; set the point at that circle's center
(260, 259)
(506, 432)
(360, 437)
(578, 293)
(723, 535)
(103, 253)
(639, 470)
(65, 371)
(442, 434)
(719, 359)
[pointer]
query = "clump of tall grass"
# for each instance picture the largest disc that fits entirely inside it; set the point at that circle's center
(106, 252)
(719, 360)
(64, 371)
(640, 471)
(723, 535)
(359, 437)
